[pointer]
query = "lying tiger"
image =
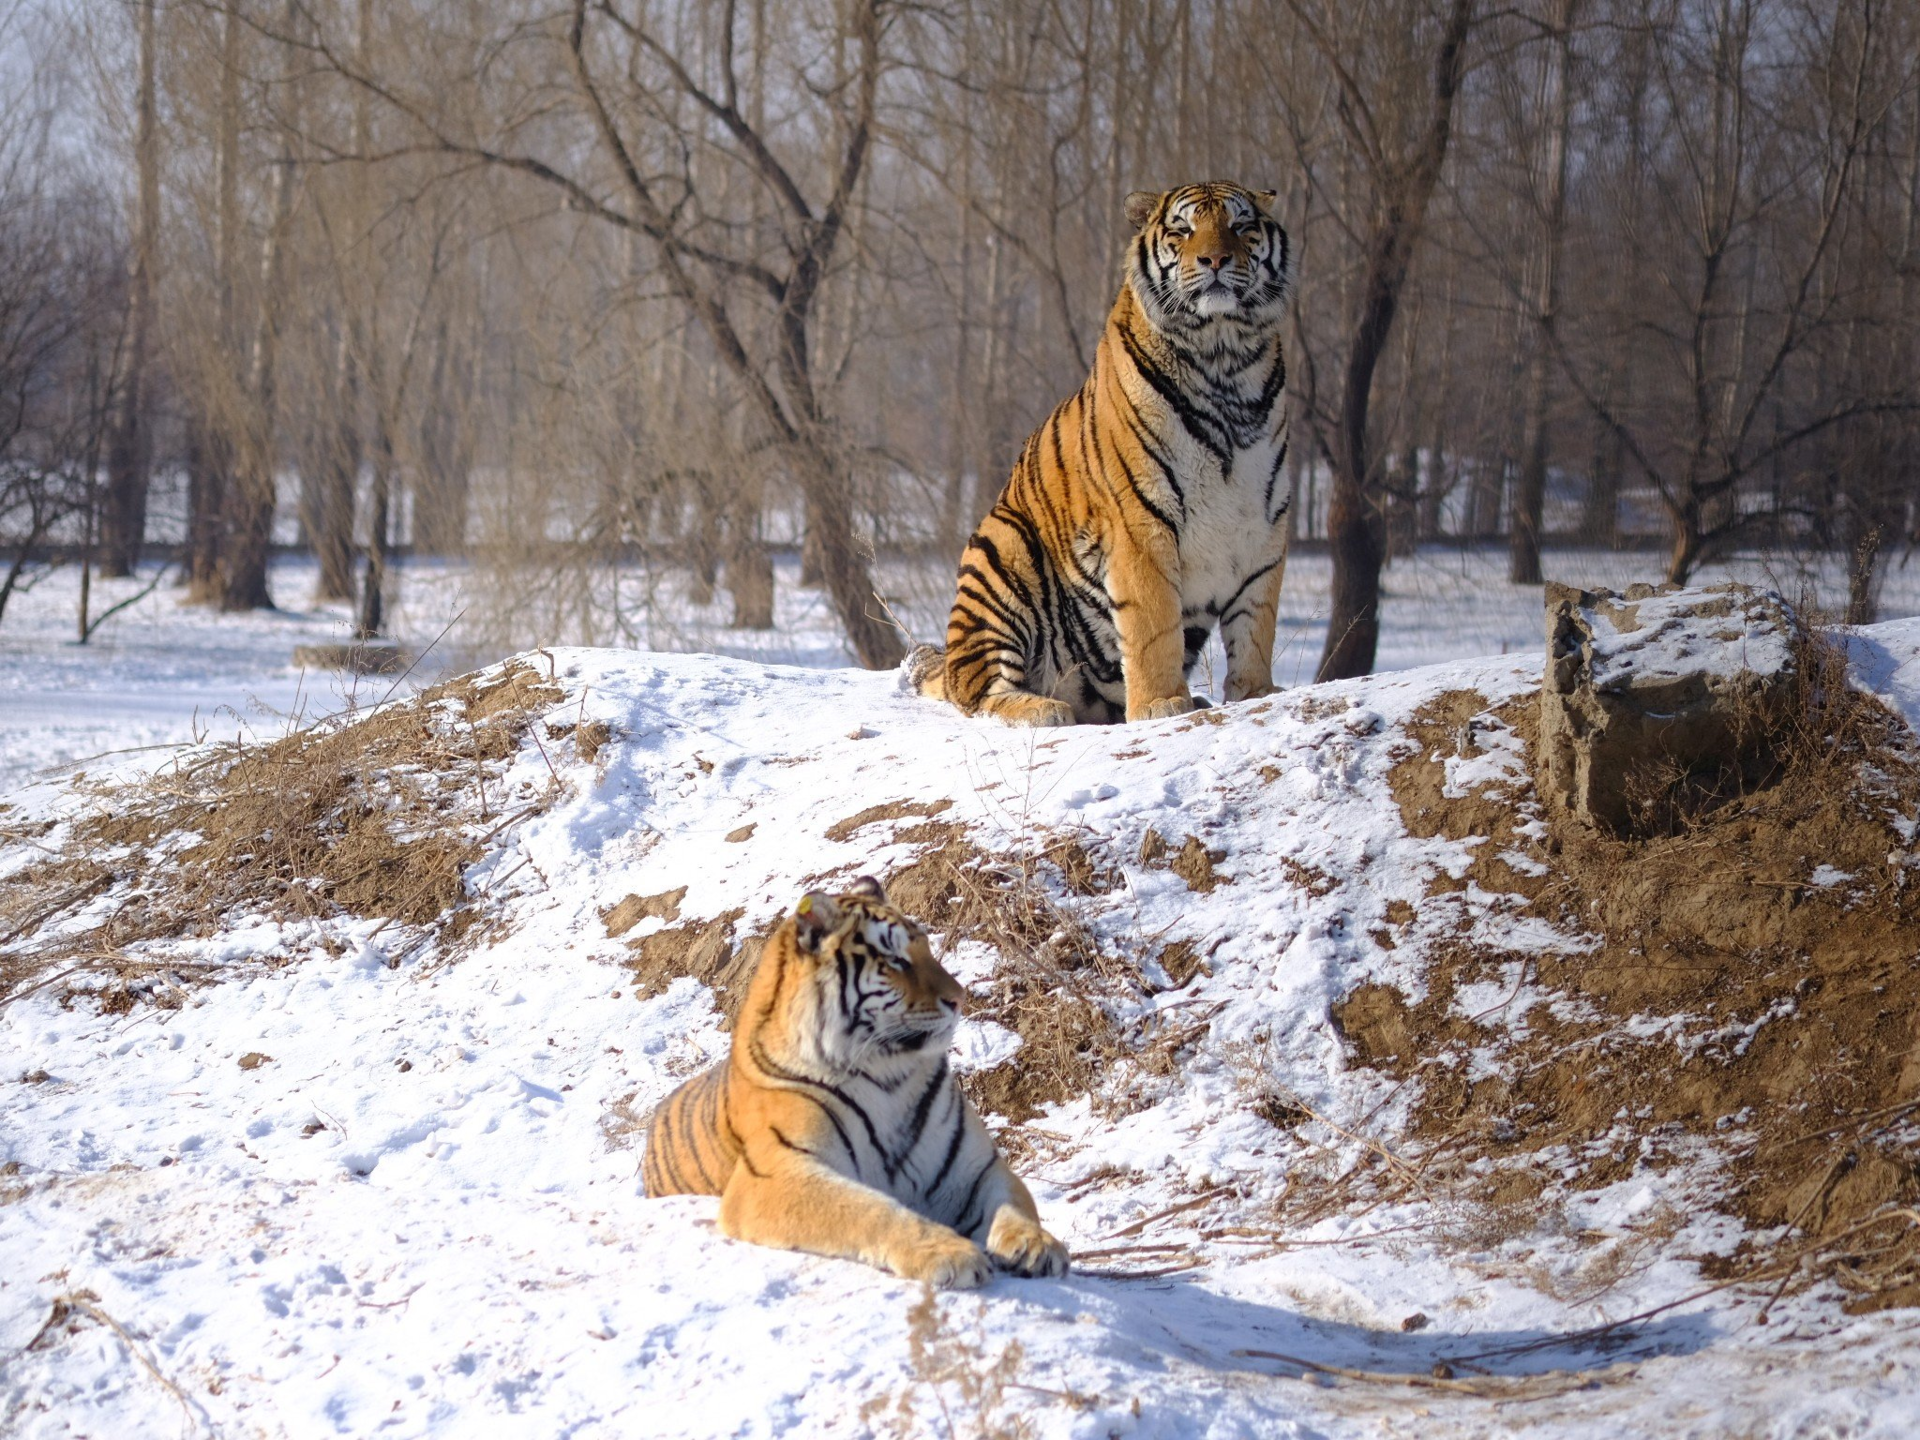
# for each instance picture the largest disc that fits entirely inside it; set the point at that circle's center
(835, 1126)
(1151, 505)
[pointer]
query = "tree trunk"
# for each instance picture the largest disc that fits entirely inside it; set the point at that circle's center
(1355, 537)
(750, 581)
(330, 498)
(441, 495)
(210, 463)
(1403, 500)
(244, 561)
(1529, 495)
(1600, 525)
(813, 558)
(1684, 549)
(209, 458)
(373, 588)
(1433, 488)
(1863, 579)
(703, 541)
(130, 446)
(1354, 519)
(849, 583)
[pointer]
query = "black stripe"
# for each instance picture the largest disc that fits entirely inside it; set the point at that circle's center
(924, 1106)
(690, 1140)
(953, 1149)
(965, 1224)
(1273, 474)
(1176, 399)
(1234, 598)
(716, 1106)
(807, 1083)
(668, 1163)
(802, 1149)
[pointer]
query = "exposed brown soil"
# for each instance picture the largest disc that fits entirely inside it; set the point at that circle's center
(892, 810)
(1728, 997)
(631, 911)
(374, 817)
(703, 949)
(1181, 960)
(1193, 862)
(1446, 726)
(1047, 987)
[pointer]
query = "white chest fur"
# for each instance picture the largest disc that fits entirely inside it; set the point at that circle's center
(1234, 513)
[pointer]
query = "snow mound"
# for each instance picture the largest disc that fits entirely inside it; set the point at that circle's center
(319, 1165)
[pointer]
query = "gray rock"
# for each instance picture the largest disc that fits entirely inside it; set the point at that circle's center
(1660, 686)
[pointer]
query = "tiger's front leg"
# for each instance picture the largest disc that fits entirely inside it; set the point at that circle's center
(787, 1199)
(1247, 630)
(1015, 1237)
(1143, 582)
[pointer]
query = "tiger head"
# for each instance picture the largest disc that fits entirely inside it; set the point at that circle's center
(1205, 253)
(876, 983)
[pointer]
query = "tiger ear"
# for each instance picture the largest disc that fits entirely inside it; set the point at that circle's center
(1265, 200)
(868, 888)
(1140, 207)
(813, 918)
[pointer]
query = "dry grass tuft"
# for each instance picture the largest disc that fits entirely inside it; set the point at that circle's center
(1052, 975)
(957, 1379)
(375, 815)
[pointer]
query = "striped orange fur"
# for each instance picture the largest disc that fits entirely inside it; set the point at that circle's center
(835, 1125)
(1151, 506)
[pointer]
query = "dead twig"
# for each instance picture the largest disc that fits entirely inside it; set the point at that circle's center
(1138, 1225)
(84, 1302)
(1527, 1387)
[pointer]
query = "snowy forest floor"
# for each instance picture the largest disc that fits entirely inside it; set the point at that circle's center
(331, 1127)
(161, 673)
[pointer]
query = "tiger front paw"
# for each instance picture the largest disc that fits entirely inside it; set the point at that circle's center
(1164, 709)
(1251, 691)
(949, 1261)
(1019, 1243)
(1038, 711)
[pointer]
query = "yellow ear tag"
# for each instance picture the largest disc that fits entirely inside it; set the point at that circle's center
(806, 905)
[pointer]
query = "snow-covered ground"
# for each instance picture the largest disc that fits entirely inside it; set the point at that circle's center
(415, 1215)
(161, 673)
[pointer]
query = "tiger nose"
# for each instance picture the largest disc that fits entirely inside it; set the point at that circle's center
(1213, 259)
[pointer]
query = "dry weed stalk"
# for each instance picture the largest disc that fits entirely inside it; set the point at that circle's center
(946, 1360)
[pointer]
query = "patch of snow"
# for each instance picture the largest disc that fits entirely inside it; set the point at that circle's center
(421, 1213)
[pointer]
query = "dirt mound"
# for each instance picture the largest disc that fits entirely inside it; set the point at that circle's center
(372, 816)
(1747, 981)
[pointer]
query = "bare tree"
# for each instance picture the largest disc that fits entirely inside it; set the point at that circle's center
(717, 279)
(1555, 113)
(130, 449)
(1394, 83)
(631, 110)
(1751, 193)
(211, 449)
(254, 495)
(61, 278)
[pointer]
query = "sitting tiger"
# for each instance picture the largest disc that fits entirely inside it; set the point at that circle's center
(1151, 505)
(835, 1125)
